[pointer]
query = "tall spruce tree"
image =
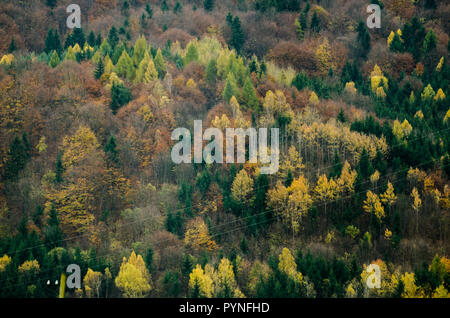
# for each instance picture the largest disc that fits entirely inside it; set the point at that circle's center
(113, 37)
(363, 40)
(59, 169)
(413, 34)
(99, 69)
(16, 159)
(111, 150)
(160, 64)
(208, 5)
(315, 23)
(78, 37)
(149, 10)
(237, 35)
(120, 95)
(12, 45)
(53, 234)
(164, 6)
(91, 40)
(211, 72)
(52, 42)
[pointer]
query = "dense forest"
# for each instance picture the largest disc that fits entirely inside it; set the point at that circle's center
(86, 117)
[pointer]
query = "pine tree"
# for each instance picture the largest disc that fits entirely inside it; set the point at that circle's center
(16, 160)
(237, 35)
(164, 6)
(396, 44)
(12, 46)
(69, 41)
(229, 19)
(429, 42)
(301, 80)
(341, 116)
(78, 36)
(124, 67)
(59, 169)
(336, 168)
(53, 234)
(249, 98)
(111, 150)
(142, 68)
(299, 30)
(139, 50)
(120, 95)
(430, 4)
(243, 245)
(365, 167)
(125, 8)
(151, 74)
(54, 60)
(37, 216)
(413, 34)
(149, 10)
(50, 3)
(208, 5)
(117, 53)
(211, 72)
(91, 39)
(52, 42)
(143, 21)
(113, 37)
(177, 8)
(230, 89)
(363, 40)
(303, 20)
(99, 69)
(98, 40)
(149, 259)
(191, 54)
(315, 23)
(160, 64)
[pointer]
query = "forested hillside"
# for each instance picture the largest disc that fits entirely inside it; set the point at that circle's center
(87, 178)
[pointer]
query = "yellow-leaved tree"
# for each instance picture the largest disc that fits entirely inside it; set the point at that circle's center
(200, 284)
(410, 289)
(401, 130)
(416, 204)
(325, 190)
(377, 79)
(292, 203)
(346, 181)
(78, 146)
(242, 187)
(372, 205)
(388, 197)
(197, 236)
(92, 283)
(291, 162)
(274, 105)
(226, 285)
(133, 279)
(288, 266)
(323, 57)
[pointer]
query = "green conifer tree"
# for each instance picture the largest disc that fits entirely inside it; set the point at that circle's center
(99, 69)
(54, 60)
(160, 64)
